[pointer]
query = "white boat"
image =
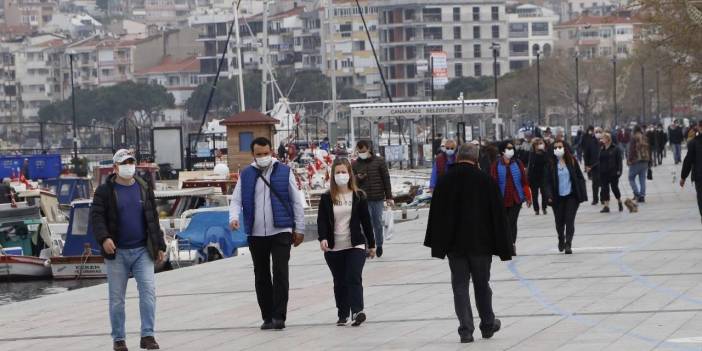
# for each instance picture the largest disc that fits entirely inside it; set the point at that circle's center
(22, 247)
(13, 268)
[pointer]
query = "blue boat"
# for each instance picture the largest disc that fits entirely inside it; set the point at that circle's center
(209, 235)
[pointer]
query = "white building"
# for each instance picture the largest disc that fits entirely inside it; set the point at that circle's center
(465, 30)
(77, 26)
(531, 30)
(599, 36)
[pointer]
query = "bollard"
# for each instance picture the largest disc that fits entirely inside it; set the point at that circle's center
(404, 213)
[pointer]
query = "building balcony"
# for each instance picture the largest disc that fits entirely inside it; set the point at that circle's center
(519, 53)
(518, 34)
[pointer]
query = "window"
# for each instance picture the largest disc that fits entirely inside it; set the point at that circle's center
(476, 13)
(411, 71)
(411, 52)
(345, 27)
(457, 14)
(245, 139)
(605, 51)
(457, 51)
(432, 14)
(517, 65)
(458, 69)
(410, 14)
(539, 28)
(495, 13)
(518, 30)
(456, 32)
(519, 48)
(476, 50)
(411, 89)
(495, 32)
(623, 50)
(476, 32)
(606, 33)
(477, 69)
(433, 33)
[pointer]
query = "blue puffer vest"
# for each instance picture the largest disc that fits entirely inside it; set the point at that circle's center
(516, 177)
(280, 181)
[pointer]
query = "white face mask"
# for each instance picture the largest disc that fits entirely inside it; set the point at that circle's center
(541, 147)
(450, 152)
(364, 155)
(342, 179)
(559, 152)
(509, 153)
(264, 162)
(126, 171)
(598, 135)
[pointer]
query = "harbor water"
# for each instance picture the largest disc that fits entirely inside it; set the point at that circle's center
(19, 291)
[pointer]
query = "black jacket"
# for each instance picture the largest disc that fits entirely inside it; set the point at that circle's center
(611, 161)
(466, 216)
(361, 227)
(536, 167)
(591, 151)
(661, 139)
(577, 181)
(104, 218)
(373, 177)
(693, 160)
(675, 135)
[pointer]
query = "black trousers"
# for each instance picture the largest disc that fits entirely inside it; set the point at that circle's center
(564, 211)
(609, 182)
(512, 218)
(698, 188)
(272, 294)
(346, 267)
(595, 177)
(462, 269)
(536, 188)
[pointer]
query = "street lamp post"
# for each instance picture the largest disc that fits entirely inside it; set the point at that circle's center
(643, 95)
(538, 85)
(577, 86)
(495, 53)
(614, 90)
(73, 104)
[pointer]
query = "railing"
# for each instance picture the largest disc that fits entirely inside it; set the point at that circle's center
(518, 34)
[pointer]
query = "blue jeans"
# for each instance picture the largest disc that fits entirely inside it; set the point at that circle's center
(639, 170)
(139, 263)
(376, 209)
(676, 153)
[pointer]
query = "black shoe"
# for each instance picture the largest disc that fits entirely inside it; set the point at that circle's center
(488, 333)
(544, 211)
(536, 212)
(149, 343)
(341, 322)
(278, 324)
(514, 249)
(267, 325)
(594, 203)
(358, 318)
(621, 207)
(561, 246)
(467, 339)
(605, 210)
(119, 346)
(641, 199)
(379, 251)
(568, 250)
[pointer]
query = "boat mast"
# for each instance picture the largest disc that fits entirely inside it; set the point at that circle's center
(264, 58)
(331, 124)
(242, 103)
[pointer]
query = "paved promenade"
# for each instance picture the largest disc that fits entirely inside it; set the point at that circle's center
(633, 283)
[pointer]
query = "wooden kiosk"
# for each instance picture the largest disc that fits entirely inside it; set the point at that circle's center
(242, 129)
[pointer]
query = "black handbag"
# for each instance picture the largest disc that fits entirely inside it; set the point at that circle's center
(649, 174)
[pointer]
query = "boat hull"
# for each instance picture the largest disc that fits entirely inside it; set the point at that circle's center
(78, 267)
(14, 268)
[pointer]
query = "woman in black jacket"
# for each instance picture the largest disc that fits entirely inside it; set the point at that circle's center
(345, 233)
(535, 172)
(610, 171)
(565, 190)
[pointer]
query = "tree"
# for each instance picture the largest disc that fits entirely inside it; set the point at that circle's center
(102, 4)
(471, 87)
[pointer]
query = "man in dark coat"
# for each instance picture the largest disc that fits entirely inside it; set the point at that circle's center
(693, 163)
(467, 223)
(675, 136)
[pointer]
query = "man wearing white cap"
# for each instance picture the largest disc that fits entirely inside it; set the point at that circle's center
(124, 221)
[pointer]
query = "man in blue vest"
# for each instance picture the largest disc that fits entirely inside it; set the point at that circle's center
(274, 219)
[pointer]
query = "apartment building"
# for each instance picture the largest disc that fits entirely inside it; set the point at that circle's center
(599, 36)
(531, 31)
(308, 41)
(167, 13)
(8, 82)
(34, 13)
(467, 31)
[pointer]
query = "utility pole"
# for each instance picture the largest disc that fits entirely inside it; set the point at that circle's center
(538, 85)
(577, 86)
(73, 103)
(643, 96)
(264, 59)
(331, 124)
(614, 89)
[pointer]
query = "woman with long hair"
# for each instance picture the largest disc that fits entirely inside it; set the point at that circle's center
(511, 177)
(610, 171)
(565, 189)
(535, 171)
(345, 234)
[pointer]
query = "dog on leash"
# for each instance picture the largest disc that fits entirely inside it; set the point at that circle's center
(631, 205)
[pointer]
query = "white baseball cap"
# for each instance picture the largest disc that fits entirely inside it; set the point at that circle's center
(122, 155)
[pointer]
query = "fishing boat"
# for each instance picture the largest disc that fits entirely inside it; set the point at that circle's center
(22, 247)
(80, 257)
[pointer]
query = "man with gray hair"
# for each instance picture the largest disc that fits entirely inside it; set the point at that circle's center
(467, 223)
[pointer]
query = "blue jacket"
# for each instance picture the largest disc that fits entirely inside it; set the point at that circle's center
(436, 173)
(516, 178)
(283, 214)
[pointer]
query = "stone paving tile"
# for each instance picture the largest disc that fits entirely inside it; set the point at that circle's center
(632, 284)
